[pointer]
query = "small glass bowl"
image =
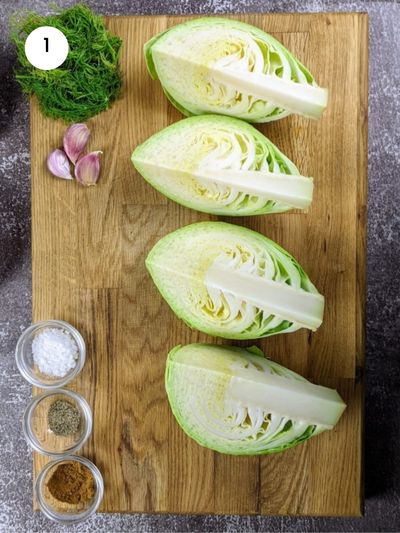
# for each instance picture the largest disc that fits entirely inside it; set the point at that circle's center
(67, 513)
(26, 364)
(36, 428)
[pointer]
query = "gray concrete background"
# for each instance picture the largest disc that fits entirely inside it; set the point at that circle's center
(382, 509)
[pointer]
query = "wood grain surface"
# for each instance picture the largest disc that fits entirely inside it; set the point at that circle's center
(88, 251)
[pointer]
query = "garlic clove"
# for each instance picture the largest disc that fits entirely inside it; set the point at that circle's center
(87, 169)
(75, 140)
(58, 164)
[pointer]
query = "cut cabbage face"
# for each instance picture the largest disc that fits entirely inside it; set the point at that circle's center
(223, 166)
(217, 65)
(235, 401)
(229, 281)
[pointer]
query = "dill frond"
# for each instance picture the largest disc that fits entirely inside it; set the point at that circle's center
(88, 81)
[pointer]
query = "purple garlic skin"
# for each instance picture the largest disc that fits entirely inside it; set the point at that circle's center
(75, 141)
(87, 169)
(58, 164)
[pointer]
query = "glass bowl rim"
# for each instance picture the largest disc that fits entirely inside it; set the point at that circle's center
(30, 436)
(25, 369)
(70, 518)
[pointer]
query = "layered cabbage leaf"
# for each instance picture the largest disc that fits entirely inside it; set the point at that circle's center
(218, 65)
(232, 282)
(235, 401)
(223, 166)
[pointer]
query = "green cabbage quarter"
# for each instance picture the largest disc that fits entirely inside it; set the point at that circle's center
(223, 166)
(235, 401)
(232, 282)
(217, 65)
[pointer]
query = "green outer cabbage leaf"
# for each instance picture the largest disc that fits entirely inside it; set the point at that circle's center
(212, 142)
(219, 42)
(180, 261)
(200, 381)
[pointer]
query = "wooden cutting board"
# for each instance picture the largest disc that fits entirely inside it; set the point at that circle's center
(88, 251)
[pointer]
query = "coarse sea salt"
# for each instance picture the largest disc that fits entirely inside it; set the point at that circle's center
(54, 352)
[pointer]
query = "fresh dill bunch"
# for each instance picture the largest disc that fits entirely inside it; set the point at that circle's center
(88, 81)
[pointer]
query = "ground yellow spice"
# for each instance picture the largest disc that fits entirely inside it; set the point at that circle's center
(72, 483)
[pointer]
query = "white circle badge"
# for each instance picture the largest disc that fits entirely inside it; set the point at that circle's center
(46, 48)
